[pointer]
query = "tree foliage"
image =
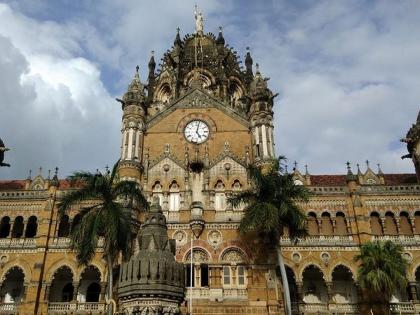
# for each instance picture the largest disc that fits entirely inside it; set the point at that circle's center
(382, 269)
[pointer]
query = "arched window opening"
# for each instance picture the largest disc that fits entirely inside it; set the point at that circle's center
(226, 275)
(344, 289)
(340, 224)
(314, 288)
(390, 224)
(375, 224)
(204, 275)
(219, 196)
(405, 225)
(417, 222)
(64, 226)
(174, 197)
(13, 286)
(312, 224)
(326, 224)
(89, 288)
(76, 221)
(200, 268)
(5, 227)
(157, 192)
(164, 94)
(18, 226)
(62, 289)
(294, 297)
(31, 227)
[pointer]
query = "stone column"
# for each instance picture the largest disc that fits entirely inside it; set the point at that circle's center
(299, 289)
(103, 291)
(47, 289)
(75, 291)
(329, 285)
(413, 225)
(397, 222)
(383, 224)
(413, 291)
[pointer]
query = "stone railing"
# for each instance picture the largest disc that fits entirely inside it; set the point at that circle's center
(198, 293)
(228, 216)
(64, 242)
(24, 194)
(235, 294)
(402, 308)
(328, 190)
(324, 308)
(319, 240)
(63, 307)
(399, 239)
(17, 243)
(399, 189)
(7, 308)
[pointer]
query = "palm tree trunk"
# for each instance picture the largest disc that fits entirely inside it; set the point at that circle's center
(110, 281)
(286, 292)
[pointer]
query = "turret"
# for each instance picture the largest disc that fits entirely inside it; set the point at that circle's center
(261, 117)
(413, 146)
(134, 113)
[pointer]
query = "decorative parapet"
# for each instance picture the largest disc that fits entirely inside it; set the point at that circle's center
(329, 190)
(17, 243)
(8, 308)
(24, 194)
(65, 307)
(390, 190)
(319, 240)
(399, 239)
(400, 202)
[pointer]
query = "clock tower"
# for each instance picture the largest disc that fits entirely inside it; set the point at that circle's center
(188, 135)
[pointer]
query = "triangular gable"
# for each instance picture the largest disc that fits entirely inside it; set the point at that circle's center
(236, 167)
(175, 167)
(197, 98)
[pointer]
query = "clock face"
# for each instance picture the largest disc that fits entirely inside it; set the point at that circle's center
(196, 131)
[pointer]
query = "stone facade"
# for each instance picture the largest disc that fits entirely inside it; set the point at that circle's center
(200, 80)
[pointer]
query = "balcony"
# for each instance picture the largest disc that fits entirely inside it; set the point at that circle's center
(18, 243)
(399, 239)
(323, 308)
(323, 240)
(65, 307)
(217, 294)
(7, 308)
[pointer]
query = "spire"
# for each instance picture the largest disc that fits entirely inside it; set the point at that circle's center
(55, 182)
(379, 169)
(135, 91)
(177, 41)
(306, 170)
(359, 172)
(220, 39)
(29, 175)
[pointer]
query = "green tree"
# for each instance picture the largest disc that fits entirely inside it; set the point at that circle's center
(108, 217)
(271, 204)
(382, 272)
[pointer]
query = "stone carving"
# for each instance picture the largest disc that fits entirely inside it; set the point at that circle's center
(296, 258)
(233, 255)
(214, 237)
(199, 256)
(325, 258)
(180, 237)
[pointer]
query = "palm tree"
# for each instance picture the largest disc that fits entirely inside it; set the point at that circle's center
(382, 272)
(107, 217)
(270, 206)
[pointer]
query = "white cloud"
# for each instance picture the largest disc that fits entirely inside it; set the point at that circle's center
(55, 109)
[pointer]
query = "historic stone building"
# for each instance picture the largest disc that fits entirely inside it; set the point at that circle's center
(189, 130)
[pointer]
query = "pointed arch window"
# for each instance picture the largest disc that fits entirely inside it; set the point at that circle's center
(219, 196)
(174, 197)
(157, 192)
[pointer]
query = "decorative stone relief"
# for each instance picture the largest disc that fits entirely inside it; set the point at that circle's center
(199, 256)
(325, 258)
(296, 257)
(214, 237)
(233, 255)
(407, 256)
(180, 237)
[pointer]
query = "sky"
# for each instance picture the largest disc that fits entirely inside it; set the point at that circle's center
(347, 74)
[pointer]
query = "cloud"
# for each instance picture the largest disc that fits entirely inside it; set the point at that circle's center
(55, 109)
(347, 74)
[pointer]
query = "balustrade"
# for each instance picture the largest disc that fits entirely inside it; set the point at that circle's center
(93, 307)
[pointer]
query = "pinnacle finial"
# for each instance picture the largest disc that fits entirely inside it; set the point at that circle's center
(107, 169)
(49, 174)
(56, 171)
(379, 168)
(367, 164)
(137, 69)
(295, 166)
(349, 172)
(358, 168)
(30, 175)
(306, 169)
(40, 170)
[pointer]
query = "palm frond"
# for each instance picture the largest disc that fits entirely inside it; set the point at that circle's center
(132, 191)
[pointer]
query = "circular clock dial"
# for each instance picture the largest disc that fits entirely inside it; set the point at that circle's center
(196, 131)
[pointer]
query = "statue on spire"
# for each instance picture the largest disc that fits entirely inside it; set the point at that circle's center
(199, 22)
